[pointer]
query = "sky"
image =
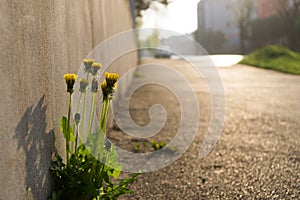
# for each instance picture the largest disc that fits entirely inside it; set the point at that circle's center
(179, 16)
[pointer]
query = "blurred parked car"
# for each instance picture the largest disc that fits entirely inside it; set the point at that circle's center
(163, 52)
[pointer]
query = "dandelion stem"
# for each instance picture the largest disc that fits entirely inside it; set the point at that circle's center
(104, 164)
(102, 127)
(78, 103)
(68, 131)
(83, 109)
(83, 116)
(104, 114)
(92, 111)
(76, 139)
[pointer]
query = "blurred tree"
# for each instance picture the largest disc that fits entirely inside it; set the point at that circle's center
(141, 5)
(212, 41)
(290, 13)
(267, 31)
(154, 41)
(242, 11)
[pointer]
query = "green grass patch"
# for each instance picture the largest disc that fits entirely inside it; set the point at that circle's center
(276, 58)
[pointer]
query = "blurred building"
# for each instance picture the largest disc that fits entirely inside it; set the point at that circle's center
(269, 8)
(217, 25)
(277, 23)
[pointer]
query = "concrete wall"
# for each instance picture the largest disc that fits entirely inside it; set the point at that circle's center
(40, 41)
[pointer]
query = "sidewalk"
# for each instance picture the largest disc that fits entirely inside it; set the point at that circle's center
(258, 153)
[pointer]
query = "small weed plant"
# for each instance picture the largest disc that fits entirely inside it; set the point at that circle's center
(90, 170)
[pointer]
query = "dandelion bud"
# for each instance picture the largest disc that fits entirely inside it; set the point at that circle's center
(83, 84)
(107, 143)
(70, 80)
(94, 85)
(77, 118)
(103, 84)
(104, 88)
(87, 64)
(95, 67)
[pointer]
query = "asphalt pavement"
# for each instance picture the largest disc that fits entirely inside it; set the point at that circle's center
(257, 155)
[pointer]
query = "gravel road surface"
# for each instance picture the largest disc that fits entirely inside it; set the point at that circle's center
(257, 155)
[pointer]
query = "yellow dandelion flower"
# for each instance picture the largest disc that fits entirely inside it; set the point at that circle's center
(111, 79)
(109, 85)
(70, 80)
(103, 84)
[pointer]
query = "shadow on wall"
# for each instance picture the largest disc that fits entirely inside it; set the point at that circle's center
(38, 146)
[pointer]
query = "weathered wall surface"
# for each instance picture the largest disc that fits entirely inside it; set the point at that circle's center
(40, 41)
